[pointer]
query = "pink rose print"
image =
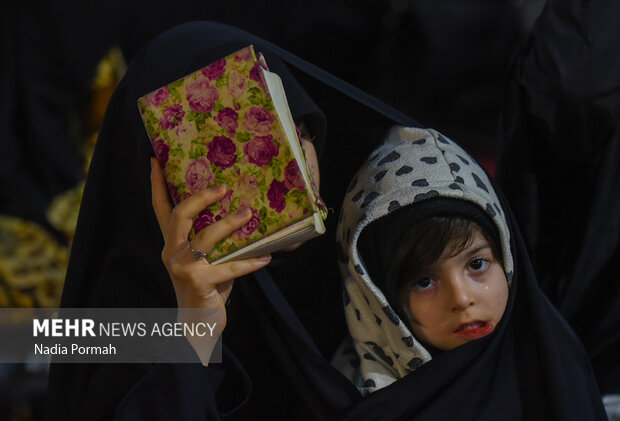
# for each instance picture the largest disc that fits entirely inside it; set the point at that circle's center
(171, 116)
(257, 76)
(158, 97)
(260, 150)
(199, 175)
(237, 85)
(161, 150)
(222, 152)
(251, 226)
(292, 176)
(174, 193)
(248, 181)
(247, 185)
(201, 96)
(243, 55)
(275, 194)
(227, 119)
(181, 129)
(215, 70)
(258, 120)
(205, 218)
(225, 204)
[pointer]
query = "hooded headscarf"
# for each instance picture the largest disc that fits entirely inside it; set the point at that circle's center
(412, 166)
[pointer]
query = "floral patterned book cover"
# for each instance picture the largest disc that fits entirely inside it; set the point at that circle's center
(219, 125)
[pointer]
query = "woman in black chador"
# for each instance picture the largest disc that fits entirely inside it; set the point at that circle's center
(559, 166)
(285, 320)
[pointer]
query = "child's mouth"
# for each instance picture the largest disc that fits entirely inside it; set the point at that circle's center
(474, 330)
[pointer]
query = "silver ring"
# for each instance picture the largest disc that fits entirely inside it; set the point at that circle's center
(198, 254)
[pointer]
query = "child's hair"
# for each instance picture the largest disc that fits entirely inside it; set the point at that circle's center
(402, 246)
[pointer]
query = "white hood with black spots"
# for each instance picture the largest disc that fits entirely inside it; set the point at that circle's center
(412, 165)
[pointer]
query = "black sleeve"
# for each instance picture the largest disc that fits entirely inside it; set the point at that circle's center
(133, 392)
(173, 391)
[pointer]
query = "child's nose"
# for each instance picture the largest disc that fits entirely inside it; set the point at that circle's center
(461, 294)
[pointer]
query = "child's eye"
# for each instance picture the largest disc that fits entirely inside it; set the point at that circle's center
(424, 283)
(479, 265)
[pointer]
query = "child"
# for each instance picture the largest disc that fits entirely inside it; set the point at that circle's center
(428, 256)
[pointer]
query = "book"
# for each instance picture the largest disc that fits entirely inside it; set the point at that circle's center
(229, 123)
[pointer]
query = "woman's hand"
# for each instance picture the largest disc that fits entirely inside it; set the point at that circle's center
(197, 284)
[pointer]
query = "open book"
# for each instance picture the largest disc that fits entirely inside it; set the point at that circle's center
(229, 123)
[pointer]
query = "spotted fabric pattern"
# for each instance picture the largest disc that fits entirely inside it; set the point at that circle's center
(411, 165)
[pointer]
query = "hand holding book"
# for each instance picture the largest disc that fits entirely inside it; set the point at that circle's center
(196, 283)
(228, 123)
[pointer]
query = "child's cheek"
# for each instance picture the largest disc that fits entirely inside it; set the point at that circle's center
(496, 291)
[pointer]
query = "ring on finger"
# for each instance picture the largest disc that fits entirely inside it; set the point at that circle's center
(198, 254)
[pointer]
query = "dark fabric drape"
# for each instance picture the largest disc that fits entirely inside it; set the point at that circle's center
(559, 165)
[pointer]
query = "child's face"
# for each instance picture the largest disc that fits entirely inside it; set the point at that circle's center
(460, 298)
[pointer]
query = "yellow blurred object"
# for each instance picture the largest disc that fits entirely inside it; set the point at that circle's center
(64, 209)
(32, 265)
(109, 73)
(110, 69)
(4, 298)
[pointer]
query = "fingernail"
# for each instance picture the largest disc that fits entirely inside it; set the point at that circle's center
(243, 213)
(218, 189)
(265, 258)
(152, 164)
